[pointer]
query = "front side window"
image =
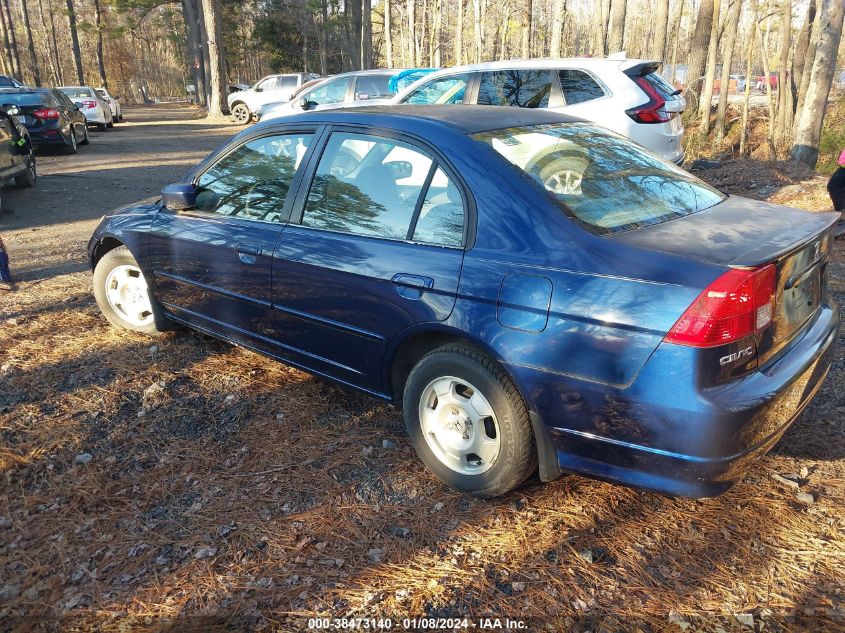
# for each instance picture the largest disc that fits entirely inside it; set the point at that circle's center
(253, 181)
(271, 83)
(333, 91)
(519, 88)
(605, 181)
(444, 90)
(374, 186)
(578, 87)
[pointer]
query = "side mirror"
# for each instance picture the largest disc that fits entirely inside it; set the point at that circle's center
(259, 89)
(179, 196)
(306, 104)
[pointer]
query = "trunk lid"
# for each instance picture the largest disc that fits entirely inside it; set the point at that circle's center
(743, 233)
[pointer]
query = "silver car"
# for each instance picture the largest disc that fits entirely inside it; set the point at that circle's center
(114, 103)
(93, 106)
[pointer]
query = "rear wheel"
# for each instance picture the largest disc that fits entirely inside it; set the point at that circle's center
(468, 423)
(110, 124)
(122, 293)
(71, 147)
(241, 114)
(29, 177)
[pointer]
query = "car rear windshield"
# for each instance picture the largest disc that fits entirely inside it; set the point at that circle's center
(27, 99)
(77, 93)
(603, 180)
(663, 87)
(6, 81)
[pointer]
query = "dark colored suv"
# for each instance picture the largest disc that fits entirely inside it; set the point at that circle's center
(17, 161)
(48, 114)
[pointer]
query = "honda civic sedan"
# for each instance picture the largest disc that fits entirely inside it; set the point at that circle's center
(538, 293)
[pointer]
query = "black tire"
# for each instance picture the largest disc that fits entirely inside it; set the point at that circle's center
(71, 146)
(110, 124)
(29, 177)
(517, 456)
(102, 127)
(86, 140)
(121, 256)
(241, 113)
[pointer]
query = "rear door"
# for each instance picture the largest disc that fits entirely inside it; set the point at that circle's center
(376, 246)
(212, 265)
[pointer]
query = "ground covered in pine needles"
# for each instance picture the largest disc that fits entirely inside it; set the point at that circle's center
(182, 483)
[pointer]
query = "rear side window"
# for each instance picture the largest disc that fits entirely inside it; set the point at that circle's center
(62, 98)
(288, 82)
(372, 87)
(252, 182)
(519, 88)
(443, 90)
(376, 186)
(578, 86)
(6, 81)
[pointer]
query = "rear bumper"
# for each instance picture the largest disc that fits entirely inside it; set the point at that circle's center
(94, 115)
(684, 441)
(47, 137)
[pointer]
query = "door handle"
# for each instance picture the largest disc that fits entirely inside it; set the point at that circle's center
(413, 281)
(248, 249)
(247, 252)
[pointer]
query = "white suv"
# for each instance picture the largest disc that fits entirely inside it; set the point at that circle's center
(272, 89)
(627, 96)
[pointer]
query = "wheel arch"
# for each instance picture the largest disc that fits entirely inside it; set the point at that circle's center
(102, 246)
(406, 351)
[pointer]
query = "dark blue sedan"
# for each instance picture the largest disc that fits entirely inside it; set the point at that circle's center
(534, 290)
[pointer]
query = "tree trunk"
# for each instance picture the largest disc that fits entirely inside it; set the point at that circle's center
(388, 42)
(412, 32)
(616, 36)
(437, 35)
(806, 50)
(698, 54)
(749, 55)
(827, 33)
(706, 102)
(74, 38)
(558, 10)
(214, 26)
(504, 30)
(476, 29)
(783, 127)
(101, 67)
(731, 28)
(770, 137)
(676, 29)
(195, 48)
(459, 35)
(527, 10)
(8, 64)
(661, 17)
(366, 34)
(13, 40)
(600, 17)
(36, 72)
(60, 79)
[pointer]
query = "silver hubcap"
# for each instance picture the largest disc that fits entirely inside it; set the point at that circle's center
(459, 425)
(564, 182)
(241, 114)
(128, 296)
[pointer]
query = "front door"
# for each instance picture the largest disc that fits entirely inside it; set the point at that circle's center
(375, 246)
(212, 265)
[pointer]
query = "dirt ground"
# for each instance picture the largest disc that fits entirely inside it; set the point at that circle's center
(181, 483)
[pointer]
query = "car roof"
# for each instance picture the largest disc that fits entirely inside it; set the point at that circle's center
(75, 87)
(468, 119)
(595, 63)
(22, 90)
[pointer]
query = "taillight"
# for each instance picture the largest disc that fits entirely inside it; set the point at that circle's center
(736, 305)
(652, 111)
(89, 104)
(46, 113)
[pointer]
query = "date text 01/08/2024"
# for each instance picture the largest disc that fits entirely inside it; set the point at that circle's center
(416, 624)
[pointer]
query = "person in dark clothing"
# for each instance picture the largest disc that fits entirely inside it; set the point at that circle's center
(5, 275)
(836, 189)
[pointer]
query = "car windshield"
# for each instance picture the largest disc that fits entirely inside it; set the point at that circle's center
(605, 181)
(77, 93)
(26, 98)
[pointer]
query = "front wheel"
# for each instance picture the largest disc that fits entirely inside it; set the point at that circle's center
(86, 140)
(241, 114)
(122, 293)
(468, 423)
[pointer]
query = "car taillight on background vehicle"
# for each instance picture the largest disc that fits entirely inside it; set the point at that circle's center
(736, 305)
(46, 113)
(652, 111)
(89, 104)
